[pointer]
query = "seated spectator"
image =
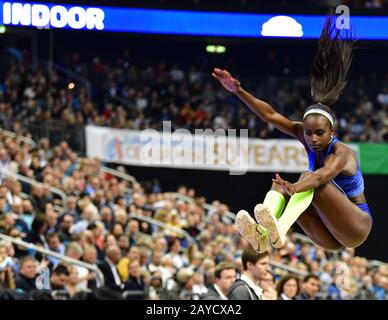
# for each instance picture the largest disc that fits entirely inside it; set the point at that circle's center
(6, 273)
(288, 288)
(38, 199)
(90, 256)
(156, 288)
(109, 268)
(71, 208)
(59, 279)
(174, 251)
(72, 286)
(25, 279)
(38, 229)
(225, 276)
(65, 227)
(123, 265)
(310, 288)
(135, 282)
(75, 251)
(54, 244)
(156, 262)
(269, 287)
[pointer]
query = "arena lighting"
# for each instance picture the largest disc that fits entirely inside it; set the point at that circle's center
(282, 26)
(220, 49)
(215, 49)
(71, 85)
(3, 29)
(180, 22)
(211, 49)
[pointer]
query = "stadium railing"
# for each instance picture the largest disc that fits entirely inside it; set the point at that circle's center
(61, 257)
(163, 225)
(26, 140)
(35, 183)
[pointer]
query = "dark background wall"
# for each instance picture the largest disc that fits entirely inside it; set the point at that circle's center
(244, 192)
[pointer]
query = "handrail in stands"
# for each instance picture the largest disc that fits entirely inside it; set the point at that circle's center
(59, 256)
(11, 134)
(35, 183)
(116, 173)
(288, 268)
(189, 238)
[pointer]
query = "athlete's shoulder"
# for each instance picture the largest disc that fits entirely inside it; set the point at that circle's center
(341, 147)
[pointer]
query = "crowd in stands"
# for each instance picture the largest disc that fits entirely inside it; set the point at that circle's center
(126, 96)
(100, 223)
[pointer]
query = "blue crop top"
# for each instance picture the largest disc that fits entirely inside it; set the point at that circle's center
(350, 185)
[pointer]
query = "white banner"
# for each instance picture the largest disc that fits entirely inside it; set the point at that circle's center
(195, 151)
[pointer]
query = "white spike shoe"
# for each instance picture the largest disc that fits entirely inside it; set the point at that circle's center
(255, 234)
(264, 216)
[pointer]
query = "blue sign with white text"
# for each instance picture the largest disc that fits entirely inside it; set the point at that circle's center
(179, 22)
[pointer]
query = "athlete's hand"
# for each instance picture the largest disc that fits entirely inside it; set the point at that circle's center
(227, 81)
(288, 187)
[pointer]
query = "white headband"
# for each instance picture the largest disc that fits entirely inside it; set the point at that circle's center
(321, 112)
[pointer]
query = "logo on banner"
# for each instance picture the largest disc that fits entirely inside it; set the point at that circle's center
(115, 149)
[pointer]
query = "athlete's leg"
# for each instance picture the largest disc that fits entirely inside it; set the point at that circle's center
(345, 220)
(315, 229)
(275, 200)
(278, 225)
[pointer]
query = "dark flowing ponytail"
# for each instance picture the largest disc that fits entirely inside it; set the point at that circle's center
(328, 76)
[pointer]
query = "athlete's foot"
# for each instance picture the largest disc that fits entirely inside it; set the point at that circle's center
(265, 217)
(255, 234)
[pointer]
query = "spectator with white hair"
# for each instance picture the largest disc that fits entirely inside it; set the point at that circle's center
(109, 268)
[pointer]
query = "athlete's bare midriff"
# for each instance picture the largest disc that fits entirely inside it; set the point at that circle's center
(360, 198)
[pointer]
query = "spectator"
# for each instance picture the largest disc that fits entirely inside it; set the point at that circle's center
(54, 244)
(288, 288)
(59, 280)
(225, 276)
(65, 227)
(6, 264)
(109, 268)
(310, 288)
(25, 279)
(90, 256)
(269, 287)
(72, 286)
(38, 229)
(255, 267)
(174, 248)
(135, 282)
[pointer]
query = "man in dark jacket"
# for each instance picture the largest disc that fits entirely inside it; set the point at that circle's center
(255, 267)
(25, 279)
(109, 269)
(310, 288)
(225, 276)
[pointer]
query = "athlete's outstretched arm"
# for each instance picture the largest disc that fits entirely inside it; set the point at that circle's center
(259, 107)
(334, 164)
